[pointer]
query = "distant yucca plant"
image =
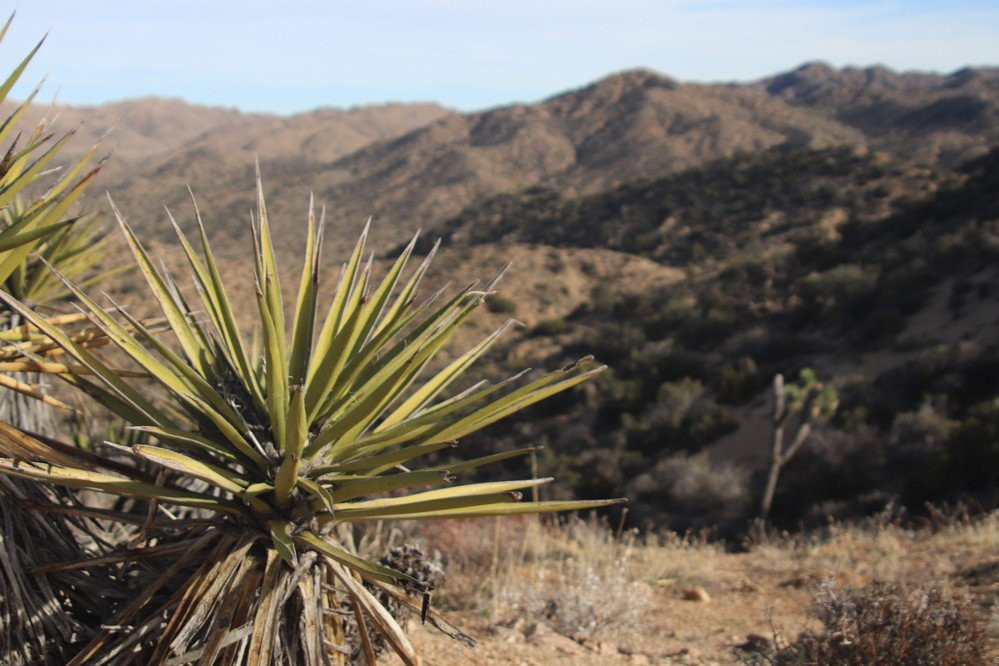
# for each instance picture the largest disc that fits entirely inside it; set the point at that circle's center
(273, 454)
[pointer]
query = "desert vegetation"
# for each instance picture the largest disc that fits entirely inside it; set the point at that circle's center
(582, 591)
(777, 342)
(874, 306)
(260, 452)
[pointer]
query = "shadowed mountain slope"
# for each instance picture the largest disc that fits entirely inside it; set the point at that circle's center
(937, 119)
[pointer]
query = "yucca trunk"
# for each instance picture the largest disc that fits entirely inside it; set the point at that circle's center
(43, 613)
(18, 409)
(34, 627)
(228, 598)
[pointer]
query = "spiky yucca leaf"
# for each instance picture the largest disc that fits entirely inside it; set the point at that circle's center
(285, 447)
(36, 222)
(76, 250)
(36, 231)
(24, 163)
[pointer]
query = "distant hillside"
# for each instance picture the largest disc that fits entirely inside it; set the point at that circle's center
(168, 137)
(933, 118)
(135, 129)
(883, 280)
(709, 213)
(628, 126)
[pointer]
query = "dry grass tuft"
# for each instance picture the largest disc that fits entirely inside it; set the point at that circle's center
(859, 553)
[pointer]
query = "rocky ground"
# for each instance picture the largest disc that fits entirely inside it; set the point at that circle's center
(710, 606)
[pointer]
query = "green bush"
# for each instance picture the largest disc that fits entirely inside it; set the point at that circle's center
(739, 381)
(500, 304)
(549, 327)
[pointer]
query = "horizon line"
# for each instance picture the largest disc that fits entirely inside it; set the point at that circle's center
(245, 110)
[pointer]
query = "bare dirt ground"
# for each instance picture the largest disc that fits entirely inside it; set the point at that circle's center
(696, 604)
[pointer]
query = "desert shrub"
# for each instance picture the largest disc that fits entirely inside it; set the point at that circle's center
(881, 191)
(739, 381)
(681, 418)
(839, 288)
(924, 429)
(554, 262)
(665, 361)
(578, 577)
(692, 489)
(959, 292)
(888, 624)
(679, 398)
(500, 304)
(973, 448)
(548, 327)
(969, 459)
(622, 394)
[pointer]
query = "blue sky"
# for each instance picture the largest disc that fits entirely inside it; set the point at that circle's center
(295, 55)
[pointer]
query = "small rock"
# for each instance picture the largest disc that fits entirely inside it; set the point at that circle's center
(606, 648)
(746, 586)
(696, 593)
(691, 656)
(563, 644)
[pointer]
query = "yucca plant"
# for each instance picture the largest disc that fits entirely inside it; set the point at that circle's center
(33, 628)
(24, 227)
(326, 428)
(76, 250)
(36, 230)
(27, 354)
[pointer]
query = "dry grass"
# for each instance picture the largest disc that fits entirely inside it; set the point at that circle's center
(509, 581)
(878, 550)
(579, 577)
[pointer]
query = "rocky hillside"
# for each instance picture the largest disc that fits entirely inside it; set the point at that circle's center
(933, 118)
(878, 274)
(159, 137)
(628, 126)
(696, 238)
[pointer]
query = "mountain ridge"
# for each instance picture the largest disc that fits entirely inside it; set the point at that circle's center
(626, 126)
